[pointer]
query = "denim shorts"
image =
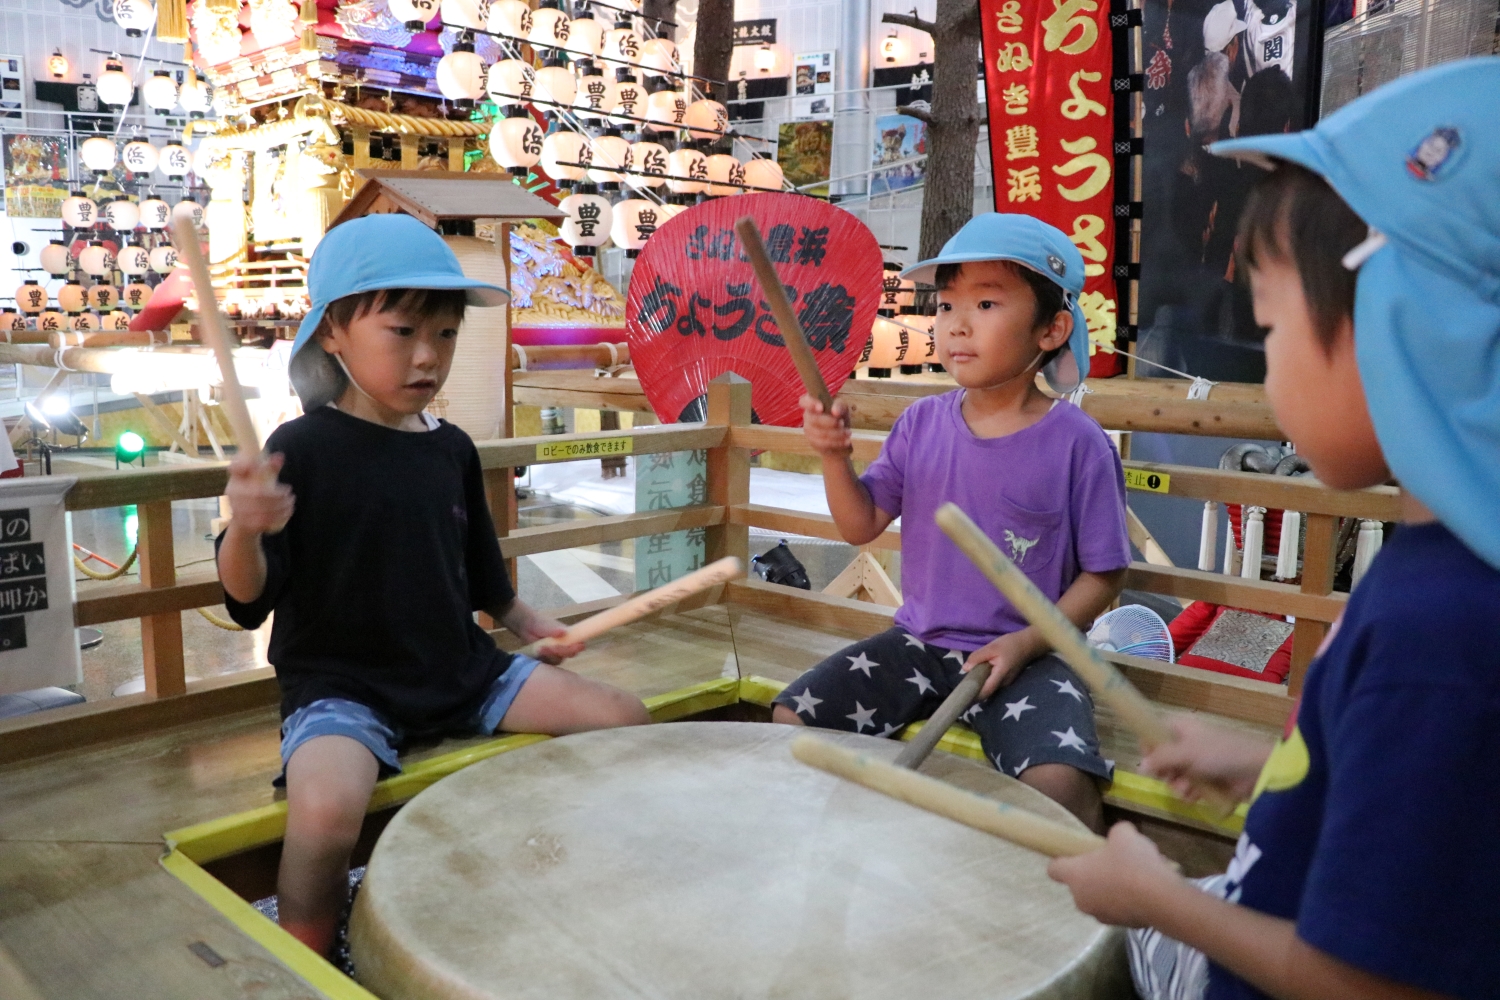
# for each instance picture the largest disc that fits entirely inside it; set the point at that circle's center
(382, 736)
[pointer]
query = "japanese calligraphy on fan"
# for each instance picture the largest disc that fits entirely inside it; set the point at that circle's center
(38, 647)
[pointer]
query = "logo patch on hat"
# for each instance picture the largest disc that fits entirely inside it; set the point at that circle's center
(1055, 262)
(1434, 154)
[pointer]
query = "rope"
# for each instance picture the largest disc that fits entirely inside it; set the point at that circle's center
(520, 356)
(114, 574)
(218, 622)
(1198, 390)
(406, 123)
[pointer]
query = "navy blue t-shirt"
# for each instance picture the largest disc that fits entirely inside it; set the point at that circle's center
(1377, 822)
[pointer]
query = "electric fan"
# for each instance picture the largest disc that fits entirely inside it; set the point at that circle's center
(1136, 630)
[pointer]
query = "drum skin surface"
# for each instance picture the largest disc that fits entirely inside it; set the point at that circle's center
(698, 861)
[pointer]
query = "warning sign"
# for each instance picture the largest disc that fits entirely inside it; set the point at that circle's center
(1151, 482)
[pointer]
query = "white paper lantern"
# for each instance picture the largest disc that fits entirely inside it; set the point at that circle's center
(51, 321)
(595, 96)
(706, 119)
(163, 258)
(724, 174)
(665, 110)
(510, 17)
(114, 86)
(139, 157)
(585, 35)
(135, 295)
(188, 209)
(650, 161)
(561, 149)
(687, 169)
(55, 258)
(96, 259)
(629, 104)
(160, 92)
(98, 154)
(116, 320)
(659, 55)
(556, 83)
(516, 143)
(763, 173)
(888, 344)
(549, 27)
(631, 6)
(611, 154)
(176, 161)
(103, 297)
(133, 259)
(11, 321)
(589, 219)
(85, 322)
(472, 14)
(635, 219)
(621, 45)
(71, 297)
(122, 215)
(414, 14)
(79, 212)
(460, 73)
(135, 16)
(155, 213)
(196, 97)
(31, 297)
(511, 81)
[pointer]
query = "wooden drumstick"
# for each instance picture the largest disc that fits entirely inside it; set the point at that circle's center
(956, 704)
(1107, 683)
(1000, 819)
(648, 603)
(211, 329)
(786, 320)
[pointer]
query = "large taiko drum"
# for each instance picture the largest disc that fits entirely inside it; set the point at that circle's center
(698, 860)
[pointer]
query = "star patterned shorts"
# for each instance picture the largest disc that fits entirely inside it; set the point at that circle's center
(878, 685)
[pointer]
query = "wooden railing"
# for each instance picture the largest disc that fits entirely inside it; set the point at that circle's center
(729, 438)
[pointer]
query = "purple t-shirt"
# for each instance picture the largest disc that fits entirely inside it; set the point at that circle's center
(1052, 497)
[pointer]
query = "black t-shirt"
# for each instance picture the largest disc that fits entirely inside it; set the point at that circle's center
(376, 576)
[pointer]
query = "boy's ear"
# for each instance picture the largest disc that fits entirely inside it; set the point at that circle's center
(1058, 331)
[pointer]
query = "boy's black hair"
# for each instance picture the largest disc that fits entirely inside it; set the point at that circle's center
(1293, 215)
(413, 301)
(1047, 293)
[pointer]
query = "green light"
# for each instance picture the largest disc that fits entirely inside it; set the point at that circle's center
(132, 443)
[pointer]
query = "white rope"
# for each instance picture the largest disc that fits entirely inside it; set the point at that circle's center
(520, 356)
(614, 356)
(1200, 387)
(1076, 396)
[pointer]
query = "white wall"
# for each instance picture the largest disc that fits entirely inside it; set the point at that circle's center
(814, 25)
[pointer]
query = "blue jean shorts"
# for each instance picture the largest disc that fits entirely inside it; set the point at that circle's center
(382, 736)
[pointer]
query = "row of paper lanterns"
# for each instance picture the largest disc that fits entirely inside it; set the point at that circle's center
(123, 215)
(52, 321)
(98, 260)
(610, 160)
(138, 156)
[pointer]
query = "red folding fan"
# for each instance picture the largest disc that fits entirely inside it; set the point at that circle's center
(695, 311)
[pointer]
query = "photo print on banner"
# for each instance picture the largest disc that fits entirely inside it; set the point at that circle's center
(1049, 71)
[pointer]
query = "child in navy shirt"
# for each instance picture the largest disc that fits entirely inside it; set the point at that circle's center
(1370, 861)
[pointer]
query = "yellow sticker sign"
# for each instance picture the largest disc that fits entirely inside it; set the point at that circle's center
(601, 448)
(1152, 482)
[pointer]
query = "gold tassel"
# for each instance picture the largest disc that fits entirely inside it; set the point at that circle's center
(172, 21)
(309, 25)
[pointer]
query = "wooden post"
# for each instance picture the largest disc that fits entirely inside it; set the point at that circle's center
(728, 468)
(1317, 578)
(512, 511)
(161, 635)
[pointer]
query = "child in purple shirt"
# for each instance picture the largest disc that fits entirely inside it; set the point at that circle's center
(1037, 474)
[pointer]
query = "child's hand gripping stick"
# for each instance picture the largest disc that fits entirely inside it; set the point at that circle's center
(786, 320)
(211, 330)
(1107, 683)
(1019, 826)
(645, 604)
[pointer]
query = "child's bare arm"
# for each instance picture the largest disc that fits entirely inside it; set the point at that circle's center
(260, 505)
(1206, 755)
(855, 513)
(529, 625)
(1127, 882)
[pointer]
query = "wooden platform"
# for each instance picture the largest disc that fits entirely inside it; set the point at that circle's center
(87, 912)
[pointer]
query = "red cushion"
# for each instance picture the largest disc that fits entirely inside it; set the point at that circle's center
(1197, 618)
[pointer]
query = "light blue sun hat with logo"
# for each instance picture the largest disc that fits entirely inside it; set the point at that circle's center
(365, 255)
(1419, 161)
(1034, 244)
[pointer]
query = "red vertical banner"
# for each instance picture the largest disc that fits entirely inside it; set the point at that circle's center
(1048, 71)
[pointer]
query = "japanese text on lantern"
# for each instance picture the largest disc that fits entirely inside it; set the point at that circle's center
(1048, 71)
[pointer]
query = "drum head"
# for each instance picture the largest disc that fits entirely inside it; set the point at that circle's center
(699, 860)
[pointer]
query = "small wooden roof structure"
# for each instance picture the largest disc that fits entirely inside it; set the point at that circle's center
(436, 196)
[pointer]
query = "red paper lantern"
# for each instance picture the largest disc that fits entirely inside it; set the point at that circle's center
(695, 310)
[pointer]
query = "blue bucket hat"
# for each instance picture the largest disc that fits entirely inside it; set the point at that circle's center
(384, 251)
(1031, 243)
(1419, 161)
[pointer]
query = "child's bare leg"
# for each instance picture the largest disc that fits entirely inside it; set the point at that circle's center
(328, 785)
(1071, 788)
(556, 702)
(785, 716)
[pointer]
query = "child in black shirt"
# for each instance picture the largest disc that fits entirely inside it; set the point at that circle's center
(365, 528)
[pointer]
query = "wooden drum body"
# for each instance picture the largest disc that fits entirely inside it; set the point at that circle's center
(698, 860)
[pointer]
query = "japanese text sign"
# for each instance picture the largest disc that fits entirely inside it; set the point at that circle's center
(38, 646)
